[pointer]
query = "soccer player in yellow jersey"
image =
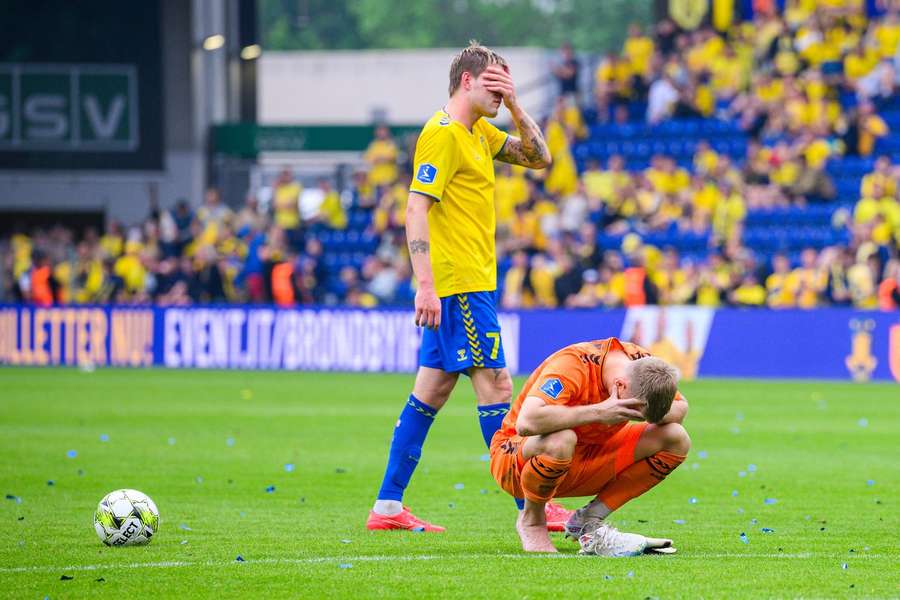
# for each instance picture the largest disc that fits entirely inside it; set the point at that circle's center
(450, 221)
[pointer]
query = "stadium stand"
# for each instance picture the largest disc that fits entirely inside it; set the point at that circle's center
(755, 167)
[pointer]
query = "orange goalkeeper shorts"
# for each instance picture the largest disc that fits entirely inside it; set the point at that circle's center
(593, 465)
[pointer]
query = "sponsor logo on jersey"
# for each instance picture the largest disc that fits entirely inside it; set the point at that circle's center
(426, 173)
(552, 387)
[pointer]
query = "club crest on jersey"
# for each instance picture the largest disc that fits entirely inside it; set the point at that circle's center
(552, 387)
(426, 173)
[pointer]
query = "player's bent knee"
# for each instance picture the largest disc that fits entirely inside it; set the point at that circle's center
(676, 438)
(433, 388)
(560, 444)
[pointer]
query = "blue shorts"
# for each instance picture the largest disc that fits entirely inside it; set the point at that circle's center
(468, 336)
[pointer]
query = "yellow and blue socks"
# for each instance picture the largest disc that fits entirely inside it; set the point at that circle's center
(406, 449)
(490, 417)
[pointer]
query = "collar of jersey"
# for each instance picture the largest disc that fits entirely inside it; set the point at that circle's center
(452, 120)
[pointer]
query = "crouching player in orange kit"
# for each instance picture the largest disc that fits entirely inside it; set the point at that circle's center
(599, 418)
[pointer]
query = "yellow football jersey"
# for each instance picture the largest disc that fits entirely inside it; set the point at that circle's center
(455, 167)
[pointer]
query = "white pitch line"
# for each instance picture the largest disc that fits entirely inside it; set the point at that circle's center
(174, 564)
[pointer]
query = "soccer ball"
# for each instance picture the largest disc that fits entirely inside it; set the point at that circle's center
(126, 518)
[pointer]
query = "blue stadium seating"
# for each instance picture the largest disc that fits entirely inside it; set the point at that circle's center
(788, 230)
(766, 232)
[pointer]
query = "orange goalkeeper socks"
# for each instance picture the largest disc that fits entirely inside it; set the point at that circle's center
(541, 475)
(638, 478)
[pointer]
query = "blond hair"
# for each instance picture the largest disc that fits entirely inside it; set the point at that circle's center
(473, 59)
(655, 381)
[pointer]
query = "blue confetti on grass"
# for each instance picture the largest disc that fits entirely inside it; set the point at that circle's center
(289, 467)
(171, 441)
(417, 529)
(346, 565)
(485, 458)
(104, 437)
(629, 574)
(50, 482)
(751, 468)
(734, 493)
(183, 542)
(608, 577)
(198, 479)
(693, 501)
(270, 489)
(770, 501)
(767, 530)
(345, 541)
(753, 521)
(702, 454)
(229, 442)
(72, 453)
(240, 558)
(679, 521)
(864, 422)
(459, 486)
(744, 538)
(742, 473)
(185, 527)
(845, 566)
(870, 482)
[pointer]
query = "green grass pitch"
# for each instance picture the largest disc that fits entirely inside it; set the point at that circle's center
(206, 445)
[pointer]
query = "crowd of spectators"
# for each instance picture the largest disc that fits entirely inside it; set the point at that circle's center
(805, 86)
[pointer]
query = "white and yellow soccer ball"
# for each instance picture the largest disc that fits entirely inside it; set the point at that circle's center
(126, 518)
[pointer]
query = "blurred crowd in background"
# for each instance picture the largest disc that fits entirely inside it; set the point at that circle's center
(805, 89)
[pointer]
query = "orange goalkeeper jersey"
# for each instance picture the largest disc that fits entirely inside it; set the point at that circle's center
(572, 377)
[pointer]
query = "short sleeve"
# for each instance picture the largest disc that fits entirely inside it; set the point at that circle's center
(496, 138)
(435, 162)
(560, 381)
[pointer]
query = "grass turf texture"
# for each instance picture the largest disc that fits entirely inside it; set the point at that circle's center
(813, 447)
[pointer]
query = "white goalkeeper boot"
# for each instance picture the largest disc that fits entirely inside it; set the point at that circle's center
(606, 540)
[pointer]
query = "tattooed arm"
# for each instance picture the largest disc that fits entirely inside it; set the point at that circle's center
(531, 149)
(428, 305)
